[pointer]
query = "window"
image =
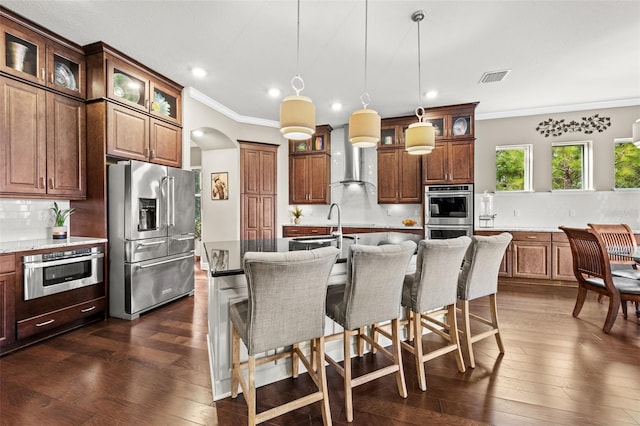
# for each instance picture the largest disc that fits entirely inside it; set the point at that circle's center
(513, 168)
(626, 164)
(571, 166)
(197, 171)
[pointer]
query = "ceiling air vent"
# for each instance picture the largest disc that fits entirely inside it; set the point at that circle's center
(493, 76)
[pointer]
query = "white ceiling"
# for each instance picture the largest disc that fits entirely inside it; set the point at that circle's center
(561, 53)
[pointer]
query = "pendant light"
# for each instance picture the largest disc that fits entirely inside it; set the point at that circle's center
(297, 113)
(364, 124)
(636, 133)
(420, 136)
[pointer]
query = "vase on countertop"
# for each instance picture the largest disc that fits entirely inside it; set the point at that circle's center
(297, 220)
(59, 232)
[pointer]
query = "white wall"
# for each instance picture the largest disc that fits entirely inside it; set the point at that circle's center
(28, 219)
(221, 218)
(544, 208)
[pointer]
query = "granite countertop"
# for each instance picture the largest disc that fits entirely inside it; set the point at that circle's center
(225, 257)
(519, 229)
(359, 225)
(26, 245)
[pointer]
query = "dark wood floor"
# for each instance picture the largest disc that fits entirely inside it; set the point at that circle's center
(155, 371)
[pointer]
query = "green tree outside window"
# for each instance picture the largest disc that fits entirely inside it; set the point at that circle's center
(626, 165)
(567, 163)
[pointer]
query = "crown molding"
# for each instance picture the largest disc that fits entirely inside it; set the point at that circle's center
(228, 112)
(559, 109)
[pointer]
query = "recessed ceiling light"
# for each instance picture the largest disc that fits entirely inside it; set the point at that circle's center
(198, 72)
(431, 94)
(274, 92)
(197, 133)
(336, 106)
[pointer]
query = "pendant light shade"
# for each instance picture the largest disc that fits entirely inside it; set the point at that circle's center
(297, 117)
(420, 137)
(297, 113)
(364, 128)
(636, 133)
(364, 124)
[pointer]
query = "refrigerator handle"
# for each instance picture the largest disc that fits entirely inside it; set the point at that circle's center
(173, 201)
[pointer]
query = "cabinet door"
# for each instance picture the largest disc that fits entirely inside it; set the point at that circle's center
(7, 306)
(22, 52)
(267, 183)
(127, 133)
(435, 165)
(165, 102)
(23, 130)
(531, 259)
(562, 262)
(460, 162)
(127, 85)
(66, 70)
(66, 147)
(258, 217)
(298, 177)
(267, 217)
(259, 171)
(318, 182)
(409, 178)
(388, 175)
(166, 143)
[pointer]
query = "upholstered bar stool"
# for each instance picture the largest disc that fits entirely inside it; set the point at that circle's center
(479, 278)
(286, 305)
(371, 295)
(430, 293)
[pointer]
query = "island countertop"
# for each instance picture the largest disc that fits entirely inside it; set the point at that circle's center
(225, 257)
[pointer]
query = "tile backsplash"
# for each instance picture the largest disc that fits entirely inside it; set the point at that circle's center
(27, 219)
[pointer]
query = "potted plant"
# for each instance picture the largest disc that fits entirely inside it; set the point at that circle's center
(59, 231)
(197, 234)
(297, 214)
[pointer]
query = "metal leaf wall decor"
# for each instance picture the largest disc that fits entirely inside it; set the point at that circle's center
(588, 125)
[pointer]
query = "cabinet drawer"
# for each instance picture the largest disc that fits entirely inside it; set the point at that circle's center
(531, 236)
(559, 237)
(52, 320)
(304, 231)
(7, 263)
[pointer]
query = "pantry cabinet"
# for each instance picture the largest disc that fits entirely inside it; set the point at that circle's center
(258, 186)
(44, 150)
(310, 168)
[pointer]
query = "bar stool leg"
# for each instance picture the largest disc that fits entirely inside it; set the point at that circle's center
(348, 399)
(417, 344)
(250, 397)
(318, 349)
(397, 358)
(235, 361)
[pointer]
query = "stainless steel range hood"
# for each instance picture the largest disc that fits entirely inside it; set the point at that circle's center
(353, 163)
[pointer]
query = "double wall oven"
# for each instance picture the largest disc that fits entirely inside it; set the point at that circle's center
(448, 211)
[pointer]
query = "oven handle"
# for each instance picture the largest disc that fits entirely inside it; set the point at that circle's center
(34, 265)
(439, 194)
(162, 262)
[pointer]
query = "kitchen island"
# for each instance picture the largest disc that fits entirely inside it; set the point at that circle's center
(227, 285)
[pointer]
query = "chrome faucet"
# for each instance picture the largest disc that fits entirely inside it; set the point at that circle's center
(338, 232)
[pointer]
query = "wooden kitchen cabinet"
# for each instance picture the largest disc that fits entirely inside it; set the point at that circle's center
(505, 266)
(258, 171)
(562, 259)
(310, 168)
(143, 109)
(44, 153)
(41, 57)
(452, 159)
(7, 299)
(450, 162)
(531, 253)
(399, 175)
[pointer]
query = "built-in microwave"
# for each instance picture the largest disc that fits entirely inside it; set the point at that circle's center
(448, 205)
(58, 271)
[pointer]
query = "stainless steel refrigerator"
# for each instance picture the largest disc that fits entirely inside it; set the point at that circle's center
(151, 236)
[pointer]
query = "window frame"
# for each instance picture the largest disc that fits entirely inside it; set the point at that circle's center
(528, 167)
(587, 164)
(617, 141)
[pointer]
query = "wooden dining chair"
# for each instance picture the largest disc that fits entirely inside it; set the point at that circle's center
(592, 268)
(618, 239)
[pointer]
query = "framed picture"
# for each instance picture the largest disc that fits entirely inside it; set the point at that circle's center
(301, 146)
(220, 186)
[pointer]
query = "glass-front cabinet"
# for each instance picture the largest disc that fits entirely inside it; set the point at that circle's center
(135, 89)
(30, 56)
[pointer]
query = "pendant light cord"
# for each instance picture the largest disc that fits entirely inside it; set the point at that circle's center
(419, 70)
(297, 78)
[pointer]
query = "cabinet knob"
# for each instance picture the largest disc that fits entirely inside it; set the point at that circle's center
(41, 182)
(152, 154)
(50, 183)
(51, 77)
(42, 73)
